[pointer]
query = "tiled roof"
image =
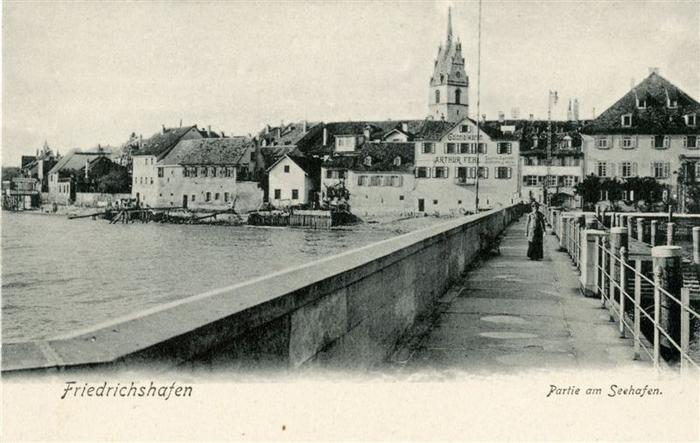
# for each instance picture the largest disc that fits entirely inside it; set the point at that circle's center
(159, 144)
(657, 118)
(312, 166)
(271, 154)
(75, 160)
(433, 129)
(286, 135)
(383, 155)
(208, 151)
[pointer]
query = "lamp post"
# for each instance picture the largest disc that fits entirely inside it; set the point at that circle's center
(553, 98)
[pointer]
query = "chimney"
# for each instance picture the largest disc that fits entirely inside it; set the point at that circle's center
(208, 130)
(366, 132)
(404, 127)
(483, 117)
(532, 117)
(181, 123)
(163, 129)
(325, 136)
(87, 168)
(304, 126)
(653, 70)
(279, 131)
(501, 117)
(267, 129)
(594, 113)
(140, 141)
(223, 135)
(632, 83)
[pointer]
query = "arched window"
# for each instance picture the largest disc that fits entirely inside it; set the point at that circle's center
(442, 79)
(437, 96)
(458, 96)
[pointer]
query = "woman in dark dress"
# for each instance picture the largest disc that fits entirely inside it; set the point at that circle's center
(535, 233)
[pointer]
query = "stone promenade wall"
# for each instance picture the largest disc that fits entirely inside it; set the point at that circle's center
(347, 310)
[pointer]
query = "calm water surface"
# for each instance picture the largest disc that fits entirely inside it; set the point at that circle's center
(59, 275)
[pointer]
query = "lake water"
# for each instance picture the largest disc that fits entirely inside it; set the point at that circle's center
(59, 275)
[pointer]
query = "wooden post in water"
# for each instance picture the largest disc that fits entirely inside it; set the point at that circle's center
(630, 227)
(652, 238)
(670, 227)
(696, 245)
(668, 276)
(640, 229)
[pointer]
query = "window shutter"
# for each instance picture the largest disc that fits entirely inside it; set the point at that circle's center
(653, 142)
(651, 170)
(634, 169)
(685, 141)
(447, 172)
(510, 172)
(427, 172)
(611, 165)
(415, 172)
(435, 171)
(667, 169)
(667, 142)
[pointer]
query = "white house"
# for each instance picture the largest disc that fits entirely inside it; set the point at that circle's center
(293, 180)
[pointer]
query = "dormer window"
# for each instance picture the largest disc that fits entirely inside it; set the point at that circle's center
(397, 161)
(691, 120)
(437, 96)
(627, 120)
(464, 128)
(368, 161)
(641, 103)
(602, 143)
(672, 104)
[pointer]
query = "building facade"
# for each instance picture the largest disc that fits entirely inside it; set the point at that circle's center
(293, 180)
(652, 131)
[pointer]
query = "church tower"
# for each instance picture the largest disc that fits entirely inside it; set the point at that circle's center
(449, 85)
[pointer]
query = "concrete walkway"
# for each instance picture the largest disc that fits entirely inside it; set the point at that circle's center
(511, 314)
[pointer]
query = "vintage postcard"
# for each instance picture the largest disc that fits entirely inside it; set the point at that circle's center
(359, 220)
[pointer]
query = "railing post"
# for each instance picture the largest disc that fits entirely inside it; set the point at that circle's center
(637, 307)
(685, 328)
(603, 267)
(623, 288)
(640, 229)
(696, 245)
(618, 240)
(668, 275)
(611, 277)
(670, 227)
(657, 316)
(589, 261)
(652, 233)
(604, 217)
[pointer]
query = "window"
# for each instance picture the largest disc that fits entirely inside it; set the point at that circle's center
(451, 148)
(295, 194)
(503, 148)
(691, 120)
(396, 181)
(672, 104)
(458, 96)
(503, 172)
(278, 194)
(341, 173)
(362, 180)
(530, 180)
(569, 181)
(441, 172)
(213, 171)
(428, 148)
(660, 142)
(660, 169)
(151, 180)
(423, 172)
(216, 196)
(160, 172)
(437, 96)
(697, 171)
(435, 202)
(642, 103)
(329, 173)
(552, 181)
(464, 148)
(602, 169)
(484, 172)
(627, 143)
(368, 161)
(193, 198)
(628, 169)
(464, 128)
(286, 169)
(482, 148)
(691, 141)
(375, 180)
(204, 172)
(400, 197)
(226, 194)
(397, 161)
(208, 197)
(194, 171)
(602, 143)
(627, 120)
(140, 180)
(227, 172)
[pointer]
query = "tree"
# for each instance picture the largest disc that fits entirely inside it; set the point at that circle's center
(589, 189)
(115, 181)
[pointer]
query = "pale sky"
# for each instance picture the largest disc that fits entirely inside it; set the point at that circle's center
(79, 74)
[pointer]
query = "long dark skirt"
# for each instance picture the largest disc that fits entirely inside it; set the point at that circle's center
(535, 249)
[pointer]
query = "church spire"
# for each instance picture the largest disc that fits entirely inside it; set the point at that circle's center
(449, 25)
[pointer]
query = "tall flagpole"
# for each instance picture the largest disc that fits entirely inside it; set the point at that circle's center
(478, 110)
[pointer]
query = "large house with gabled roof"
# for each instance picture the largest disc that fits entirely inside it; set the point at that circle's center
(652, 131)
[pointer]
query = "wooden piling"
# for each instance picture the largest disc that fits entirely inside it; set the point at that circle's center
(670, 228)
(668, 277)
(640, 229)
(652, 233)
